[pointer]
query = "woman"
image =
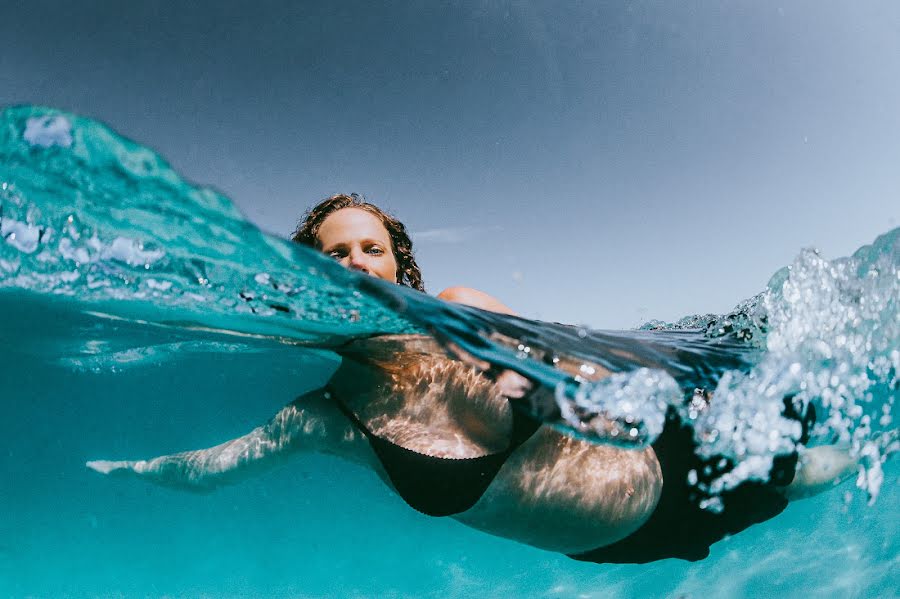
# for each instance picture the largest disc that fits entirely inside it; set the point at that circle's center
(443, 436)
(363, 237)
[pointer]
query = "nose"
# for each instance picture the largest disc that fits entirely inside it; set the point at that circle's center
(359, 261)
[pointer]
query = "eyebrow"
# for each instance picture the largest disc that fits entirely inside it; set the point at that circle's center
(343, 244)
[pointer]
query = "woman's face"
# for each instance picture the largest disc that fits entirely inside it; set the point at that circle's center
(358, 240)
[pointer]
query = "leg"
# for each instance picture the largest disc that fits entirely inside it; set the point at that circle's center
(568, 495)
(819, 469)
(310, 423)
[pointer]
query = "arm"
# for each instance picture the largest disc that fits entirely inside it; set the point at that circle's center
(310, 423)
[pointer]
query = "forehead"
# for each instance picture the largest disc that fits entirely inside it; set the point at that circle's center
(348, 224)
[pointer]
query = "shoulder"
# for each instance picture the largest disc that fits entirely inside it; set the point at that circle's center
(474, 298)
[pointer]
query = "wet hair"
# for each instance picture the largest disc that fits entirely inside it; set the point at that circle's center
(307, 233)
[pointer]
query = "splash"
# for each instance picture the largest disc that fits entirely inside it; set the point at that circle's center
(830, 331)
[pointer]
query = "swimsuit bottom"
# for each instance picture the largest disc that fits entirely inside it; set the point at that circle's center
(442, 486)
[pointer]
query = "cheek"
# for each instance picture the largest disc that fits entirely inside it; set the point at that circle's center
(392, 265)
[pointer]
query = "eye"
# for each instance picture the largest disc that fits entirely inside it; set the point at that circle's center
(337, 254)
(375, 250)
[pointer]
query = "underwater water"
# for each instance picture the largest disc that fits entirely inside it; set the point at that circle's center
(142, 315)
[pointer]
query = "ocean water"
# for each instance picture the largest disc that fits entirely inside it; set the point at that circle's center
(142, 315)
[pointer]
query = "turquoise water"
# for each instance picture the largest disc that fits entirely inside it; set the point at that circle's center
(143, 315)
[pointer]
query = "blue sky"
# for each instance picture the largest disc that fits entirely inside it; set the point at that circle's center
(586, 162)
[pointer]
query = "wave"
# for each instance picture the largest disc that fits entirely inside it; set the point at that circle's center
(106, 226)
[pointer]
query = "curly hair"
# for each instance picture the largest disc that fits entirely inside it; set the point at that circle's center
(307, 233)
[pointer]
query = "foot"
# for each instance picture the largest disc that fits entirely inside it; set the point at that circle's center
(110, 467)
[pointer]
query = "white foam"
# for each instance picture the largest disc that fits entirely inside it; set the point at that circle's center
(47, 131)
(23, 236)
(627, 408)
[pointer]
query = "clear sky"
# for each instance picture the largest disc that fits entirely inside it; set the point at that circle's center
(589, 162)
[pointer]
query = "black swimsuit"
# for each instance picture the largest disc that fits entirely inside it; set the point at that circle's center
(442, 486)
